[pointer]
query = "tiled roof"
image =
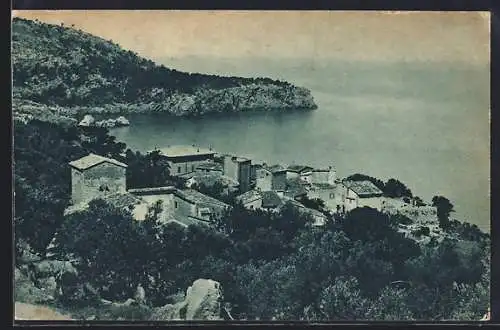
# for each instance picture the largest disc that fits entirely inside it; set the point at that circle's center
(185, 220)
(270, 199)
(363, 188)
(123, 200)
(249, 196)
(152, 191)
(93, 160)
(211, 178)
(240, 159)
(301, 208)
(323, 169)
(182, 150)
(210, 166)
(197, 197)
(323, 185)
(299, 168)
(119, 200)
(274, 168)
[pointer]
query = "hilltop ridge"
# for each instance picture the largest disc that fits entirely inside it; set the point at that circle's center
(58, 66)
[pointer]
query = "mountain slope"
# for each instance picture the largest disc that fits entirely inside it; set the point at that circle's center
(60, 66)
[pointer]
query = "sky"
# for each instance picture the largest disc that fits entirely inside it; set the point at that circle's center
(356, 35)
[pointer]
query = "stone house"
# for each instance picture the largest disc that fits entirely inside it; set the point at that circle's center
(271, 178)
(257, 199)
(328, 193)
(296, 188)
(186, 206)
(95, 176)
(251, 199)
(271, 200)
(209, 167)
(318, 218)
(239, 169)
(299, 171)
(360, 194)
(324, 175)
(211, 179)
(185, 159)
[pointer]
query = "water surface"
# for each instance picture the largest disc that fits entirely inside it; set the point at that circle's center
(426, 125)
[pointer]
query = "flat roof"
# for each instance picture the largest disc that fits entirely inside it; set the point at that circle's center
(184, 150)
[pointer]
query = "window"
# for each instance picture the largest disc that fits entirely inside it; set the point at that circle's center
(192, 167)
(332, 195)
(175, 204)
(178, 169)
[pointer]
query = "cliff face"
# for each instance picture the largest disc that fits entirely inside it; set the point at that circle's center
(60, 66)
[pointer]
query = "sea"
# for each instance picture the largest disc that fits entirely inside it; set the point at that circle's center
(425, 124)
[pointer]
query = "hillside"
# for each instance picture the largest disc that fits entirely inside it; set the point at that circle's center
(57, 66)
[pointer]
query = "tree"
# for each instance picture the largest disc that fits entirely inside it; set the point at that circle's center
(395, 189)
(314, 203)
(366, 224)
(109, 247)
(444, 207)
(362, 177)
(418, 201)
(342, 300)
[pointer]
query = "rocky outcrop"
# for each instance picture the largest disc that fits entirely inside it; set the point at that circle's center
(202, 302)
(89, 121)
(135, 85)
(253, 97)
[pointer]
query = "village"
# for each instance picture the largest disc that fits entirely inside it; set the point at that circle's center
(257, 185)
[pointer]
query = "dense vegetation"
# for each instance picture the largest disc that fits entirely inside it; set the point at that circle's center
(42, 179)
(271, 266)
(60, 65)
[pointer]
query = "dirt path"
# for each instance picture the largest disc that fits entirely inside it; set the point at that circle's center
(25, 311)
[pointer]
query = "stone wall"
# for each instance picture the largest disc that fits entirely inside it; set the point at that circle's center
(325, 194)
(98, 181)
(279, 181)
(244, 176)
(184, 208)
(187, 166)
(263, 180)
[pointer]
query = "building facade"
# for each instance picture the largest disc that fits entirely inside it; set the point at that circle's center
(299, 171)
(251, 200)
(239, 169)
(185, 159)
(327, 193)
(324, 175)
(186, 205)
(94, 176)
(271, 178)
(360, 194)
